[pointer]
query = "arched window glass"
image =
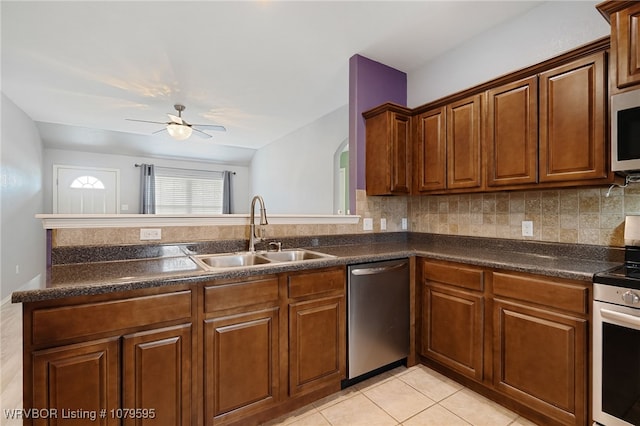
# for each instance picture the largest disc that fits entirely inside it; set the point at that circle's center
(87, 182)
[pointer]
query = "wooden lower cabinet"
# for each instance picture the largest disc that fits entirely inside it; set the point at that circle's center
(117, 359)
(316, 343)
(317, 330)
(241, 364)
(157, 375)
(271, 341)
(535, 332)
(80, 380)
(540, 360)
(453, 329)
(541, 344)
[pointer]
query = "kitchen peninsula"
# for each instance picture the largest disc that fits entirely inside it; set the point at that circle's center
(157, 331)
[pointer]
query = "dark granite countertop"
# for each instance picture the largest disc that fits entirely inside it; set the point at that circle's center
(136, 267)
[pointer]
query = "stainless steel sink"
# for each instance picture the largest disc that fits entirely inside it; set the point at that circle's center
(232, 260)
(292, 255)
(247, 259)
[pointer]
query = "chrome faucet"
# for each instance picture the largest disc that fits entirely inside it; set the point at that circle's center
(253, 238)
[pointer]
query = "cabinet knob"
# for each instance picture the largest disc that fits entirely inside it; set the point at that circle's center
(630, 297)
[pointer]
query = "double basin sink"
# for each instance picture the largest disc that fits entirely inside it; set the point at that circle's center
(245, 259)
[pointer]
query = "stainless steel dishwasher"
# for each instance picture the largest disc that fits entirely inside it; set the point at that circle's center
(378, 315)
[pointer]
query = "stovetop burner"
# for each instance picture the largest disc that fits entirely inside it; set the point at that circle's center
(622, 276)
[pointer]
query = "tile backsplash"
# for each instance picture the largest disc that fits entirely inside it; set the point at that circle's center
(583, 216)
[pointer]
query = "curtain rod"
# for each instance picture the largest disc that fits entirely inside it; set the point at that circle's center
(179, 168)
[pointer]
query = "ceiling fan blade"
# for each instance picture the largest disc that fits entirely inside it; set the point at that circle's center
(159, 131)
(210, 127)
(175, 119)
(145, 121)
(201, 133)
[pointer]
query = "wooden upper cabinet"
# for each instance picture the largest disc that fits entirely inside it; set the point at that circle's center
(625, 27)
(463, 143)
(388, 151)
(625, 39)
(572, 116)
(430, 151)
(512, 133)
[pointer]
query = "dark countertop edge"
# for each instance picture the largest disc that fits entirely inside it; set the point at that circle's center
(371, 252)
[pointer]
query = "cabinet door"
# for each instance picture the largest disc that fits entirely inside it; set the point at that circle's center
(452, 329)
(388, 154)
(81, 379)
(241, 364)
(400, 154)
(463, 143)
(317, 343)
(157, 375)
(430, 155)
(512, 133)
(572, 130)
(625, 28)
(540, 359)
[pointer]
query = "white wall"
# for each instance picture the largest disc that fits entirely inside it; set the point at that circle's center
(542, 33)
(22, 239)
(296, 172)
(130, 175)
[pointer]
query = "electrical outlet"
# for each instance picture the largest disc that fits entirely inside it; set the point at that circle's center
(150, 233)
(527, 228)
(383, 224)
(404, 225)
(367, 224)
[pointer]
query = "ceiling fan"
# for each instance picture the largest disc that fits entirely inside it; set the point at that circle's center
(179, 129)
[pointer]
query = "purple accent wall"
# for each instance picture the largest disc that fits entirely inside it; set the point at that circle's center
(370, 84)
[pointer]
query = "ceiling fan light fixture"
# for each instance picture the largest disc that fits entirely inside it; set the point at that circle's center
(179, 132)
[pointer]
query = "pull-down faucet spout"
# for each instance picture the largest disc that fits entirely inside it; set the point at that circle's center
(253, 238)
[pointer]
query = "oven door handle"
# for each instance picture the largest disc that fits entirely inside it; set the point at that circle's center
(623, 318)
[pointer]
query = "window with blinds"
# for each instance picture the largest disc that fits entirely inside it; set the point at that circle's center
(181, 191)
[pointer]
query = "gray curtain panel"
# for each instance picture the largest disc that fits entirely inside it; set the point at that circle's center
(226, 192)
(147, 189)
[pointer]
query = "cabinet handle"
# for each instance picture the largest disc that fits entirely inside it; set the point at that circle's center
(379, 270)
(618, 316)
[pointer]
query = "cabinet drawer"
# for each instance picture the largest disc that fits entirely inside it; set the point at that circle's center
(245, 293)
(457, 275)
(55, 324)
(565, 295)
(307, 284)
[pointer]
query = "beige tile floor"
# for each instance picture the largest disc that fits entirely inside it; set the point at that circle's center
(416, 396)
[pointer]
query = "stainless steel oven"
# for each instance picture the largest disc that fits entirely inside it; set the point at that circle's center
(616, 336)
(616, 349)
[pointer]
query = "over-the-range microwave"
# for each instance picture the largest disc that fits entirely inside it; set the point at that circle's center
(625, 131)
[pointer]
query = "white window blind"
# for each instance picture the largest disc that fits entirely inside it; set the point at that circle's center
(182, 191)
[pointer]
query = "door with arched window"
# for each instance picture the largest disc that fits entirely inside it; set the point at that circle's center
(85, 190)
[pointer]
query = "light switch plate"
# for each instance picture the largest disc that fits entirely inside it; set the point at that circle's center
(404, 224)
(527, 228)
(383, 224)
(367, 224)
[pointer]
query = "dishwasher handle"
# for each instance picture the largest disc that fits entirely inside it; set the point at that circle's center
(378, 270)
